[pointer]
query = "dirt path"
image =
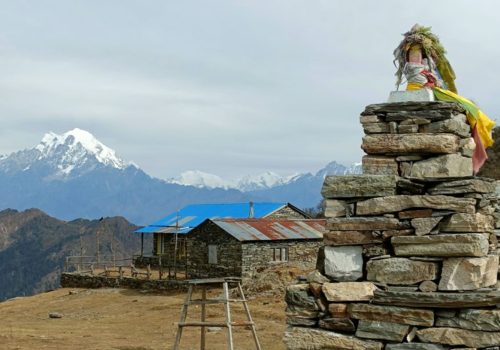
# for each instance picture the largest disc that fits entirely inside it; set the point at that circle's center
(125, 320)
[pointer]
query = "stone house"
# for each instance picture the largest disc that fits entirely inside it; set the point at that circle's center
(170, 232)
(244, 247)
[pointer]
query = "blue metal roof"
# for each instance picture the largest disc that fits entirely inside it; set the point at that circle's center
(191, 216)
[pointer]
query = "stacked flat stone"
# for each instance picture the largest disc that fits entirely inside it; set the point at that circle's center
(410, 257)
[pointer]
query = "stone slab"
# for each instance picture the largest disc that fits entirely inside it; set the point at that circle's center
(401, 315)
(374, 250)
(424, 226)
(300, 338)
(344, 263)
(365, 224)
(367, 119)
(456, 125)
(401, 271)
(338, 310)
(473, 319)
(443, 245)
(413, 106)
(382, 330)
(428, 286)
(376, 128)
(443, 300)
(408, 129)
(441, 167)
(415, 346)
(475, 185)
(468, 273)
(400, 144)
(379, 165)
(335, 208)
(337, 238)
(421, 95)
(397, 203)
(298, 295)
(349, 186)
(348, 291)
(344, 325)
(467, 147)
(459, 337)
(297, 320)
(463, 222)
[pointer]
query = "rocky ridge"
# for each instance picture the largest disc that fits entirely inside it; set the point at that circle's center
(410, 257)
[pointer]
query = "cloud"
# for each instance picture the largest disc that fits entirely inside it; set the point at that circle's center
(228, 87)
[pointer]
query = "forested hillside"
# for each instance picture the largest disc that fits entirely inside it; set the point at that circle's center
(33, 247)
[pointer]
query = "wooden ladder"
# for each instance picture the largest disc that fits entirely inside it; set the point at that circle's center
(203, 324)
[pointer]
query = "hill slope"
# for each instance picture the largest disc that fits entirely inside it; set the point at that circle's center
(33, 247)
(492, 166)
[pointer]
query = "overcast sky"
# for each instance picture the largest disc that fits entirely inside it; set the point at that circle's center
(227, 87)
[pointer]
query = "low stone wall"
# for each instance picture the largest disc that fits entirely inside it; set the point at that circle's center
(77, 280)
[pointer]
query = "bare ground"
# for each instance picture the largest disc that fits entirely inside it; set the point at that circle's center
(127, 320)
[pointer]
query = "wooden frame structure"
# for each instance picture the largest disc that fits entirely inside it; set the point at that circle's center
(203, 324)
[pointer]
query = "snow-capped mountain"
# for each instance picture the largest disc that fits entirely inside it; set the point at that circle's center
(246, 183)
(258, 182)
(265, 180)
(197, 178)
(71, 154)
(74, 175)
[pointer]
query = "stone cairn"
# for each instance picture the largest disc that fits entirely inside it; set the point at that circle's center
(410, 257)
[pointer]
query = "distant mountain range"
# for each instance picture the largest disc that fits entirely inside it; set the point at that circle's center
(74, 175)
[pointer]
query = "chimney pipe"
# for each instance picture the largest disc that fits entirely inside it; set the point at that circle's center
(251, 213)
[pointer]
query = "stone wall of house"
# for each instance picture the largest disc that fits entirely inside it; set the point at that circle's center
(228, 253)
(257, 256)
(287, 213)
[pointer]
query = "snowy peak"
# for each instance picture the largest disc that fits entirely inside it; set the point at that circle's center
(77, 144)
(334, 168)
(262, 181)
(200, 179)
(71, 154)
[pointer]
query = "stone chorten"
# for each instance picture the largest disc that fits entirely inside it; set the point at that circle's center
(410, 257)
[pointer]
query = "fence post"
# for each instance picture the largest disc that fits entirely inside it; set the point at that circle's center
(160, 269)
(149, 271)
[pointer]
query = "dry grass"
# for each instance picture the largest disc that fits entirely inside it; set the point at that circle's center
(126, 320)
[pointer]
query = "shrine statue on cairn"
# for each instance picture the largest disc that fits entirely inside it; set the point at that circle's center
(421, 59)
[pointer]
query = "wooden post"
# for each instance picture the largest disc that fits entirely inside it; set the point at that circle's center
(227, 315)
(203, 316)
(149, 271)
(183, 317)
(97, 246)
(249, 317)
(160, 269)
(142, 244)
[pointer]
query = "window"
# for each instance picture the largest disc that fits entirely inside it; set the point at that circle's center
(212, 254)
(280, 254)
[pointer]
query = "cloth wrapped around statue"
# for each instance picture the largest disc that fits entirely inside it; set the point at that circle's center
(479, 122)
